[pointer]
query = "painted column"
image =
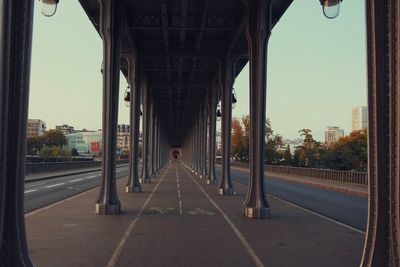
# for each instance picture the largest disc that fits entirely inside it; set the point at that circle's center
(133, 184)
(154, 146)
(111, 31)
(16, 19)
(212, 178)
(226, 81)
(383, 46)
(258, 27)
(204, 141)
(146, 135)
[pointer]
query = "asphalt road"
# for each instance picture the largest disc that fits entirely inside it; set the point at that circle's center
(43, 193)
(348, 209)
(344, 208)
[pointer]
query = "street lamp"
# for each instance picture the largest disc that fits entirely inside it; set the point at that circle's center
(330, 8)
(219, 115)
(234, 98)
(49, 7)
(127, 96)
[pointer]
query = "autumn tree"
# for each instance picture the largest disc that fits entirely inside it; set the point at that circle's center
(246, 139)
(238, 149)
(349, 153)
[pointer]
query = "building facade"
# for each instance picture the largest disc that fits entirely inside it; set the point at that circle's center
(332, 134)
(65, 129)
(359, 118)
(123, 138)
(36, 127)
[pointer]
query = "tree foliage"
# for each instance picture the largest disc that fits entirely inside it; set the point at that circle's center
(349, 153)
(54, 138)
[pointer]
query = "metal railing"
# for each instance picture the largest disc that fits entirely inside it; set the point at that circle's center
(60, 166)
(350, 177)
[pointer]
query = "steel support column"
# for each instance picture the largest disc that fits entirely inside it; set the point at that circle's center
(133, 184)
(154, 144)
(383, 46)
(16, 19)
(211, 177)
(258, 29)
(146, 136)
(111, 30)
(204, 141)
(226, 82)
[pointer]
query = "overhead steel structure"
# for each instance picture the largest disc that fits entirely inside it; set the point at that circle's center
(180, 58)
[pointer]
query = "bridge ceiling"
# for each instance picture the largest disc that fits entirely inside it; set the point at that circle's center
(179, 43)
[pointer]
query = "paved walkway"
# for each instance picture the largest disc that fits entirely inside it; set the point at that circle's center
(180, 221)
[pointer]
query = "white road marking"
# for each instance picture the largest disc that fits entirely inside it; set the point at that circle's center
(113, 260)
(312, 212)
(179, 190)
(54, 185)
(245, 243)
(76, 180)
(30, 191)
(91, 177)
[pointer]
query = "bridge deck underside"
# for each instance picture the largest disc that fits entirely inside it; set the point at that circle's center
(179, 44)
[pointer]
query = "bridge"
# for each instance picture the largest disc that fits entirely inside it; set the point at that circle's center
(180, 59)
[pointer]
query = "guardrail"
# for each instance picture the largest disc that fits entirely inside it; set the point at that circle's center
(65, 165)
(349, 177)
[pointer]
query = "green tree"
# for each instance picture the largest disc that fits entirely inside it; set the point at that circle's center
(34, 144)
(54, 138)
(287, 156)
(66, 154)
(307, 154)
(45, 153)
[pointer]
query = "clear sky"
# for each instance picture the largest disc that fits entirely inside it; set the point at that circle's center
(316, 70)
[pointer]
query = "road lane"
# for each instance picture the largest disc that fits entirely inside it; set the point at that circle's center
(45, 192)
(345, 208)
(348, 209)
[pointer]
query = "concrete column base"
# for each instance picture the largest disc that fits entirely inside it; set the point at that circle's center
(257, 212)
(226, 192)
(135, 189)
(108, 209)
(212, 182)
(147, 181)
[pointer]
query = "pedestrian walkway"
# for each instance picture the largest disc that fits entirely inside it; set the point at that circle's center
(180, 221)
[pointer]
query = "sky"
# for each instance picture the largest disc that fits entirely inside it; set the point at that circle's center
(316, 70)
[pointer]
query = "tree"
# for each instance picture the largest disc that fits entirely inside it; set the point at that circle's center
(272, 156)
(349, 153)
(34, 144)
(246, 136)
(238, 149)
(54, 138)
(74, 152)
(45, 153)
(287, 156)
(307, 154)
